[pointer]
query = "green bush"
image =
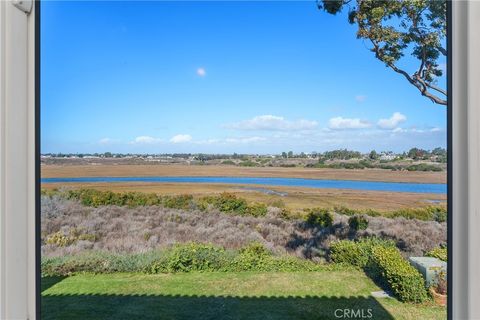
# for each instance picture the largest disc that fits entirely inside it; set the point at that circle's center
(228, 162)
(350, 212)
(178, 202)
(348, 252)
(319, 217)
(423, 167)
(356, 253)
(231, 204)
(433, 213)
(358, 222)
(256, 210)
(439, 253)
(403, 279)
(225, 202)
(97, 262)
(255, 257)
(429, 213)
(96, 198)
(190, 257)
(248, 163)
(208, 258)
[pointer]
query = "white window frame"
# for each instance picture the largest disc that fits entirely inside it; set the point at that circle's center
(17, 162)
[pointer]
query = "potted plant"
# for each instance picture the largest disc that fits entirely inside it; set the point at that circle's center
(439, 290)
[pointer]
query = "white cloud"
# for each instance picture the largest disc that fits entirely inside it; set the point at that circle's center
(273, 123)
(181, 138)
(146, 140)
(201, 72)
(360, 98)
(105, 141)
(339, 123)
(208, 141)
(392, 122)
(245, 140)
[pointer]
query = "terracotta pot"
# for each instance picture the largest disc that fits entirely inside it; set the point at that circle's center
(440, 299)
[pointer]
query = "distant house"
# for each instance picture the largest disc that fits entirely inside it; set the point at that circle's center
(387, 156)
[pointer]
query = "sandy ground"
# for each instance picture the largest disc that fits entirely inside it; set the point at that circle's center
(49, 171)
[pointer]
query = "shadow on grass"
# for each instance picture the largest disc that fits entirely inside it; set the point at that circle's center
(48, 282)
(116, 307)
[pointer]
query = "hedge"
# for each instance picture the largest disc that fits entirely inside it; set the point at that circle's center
(401, 277)
(186, 257)
(439, 253)
(356, 253)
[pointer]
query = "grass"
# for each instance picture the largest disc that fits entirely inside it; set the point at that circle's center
(244, 295)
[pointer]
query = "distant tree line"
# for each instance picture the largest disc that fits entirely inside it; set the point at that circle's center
(438, 155)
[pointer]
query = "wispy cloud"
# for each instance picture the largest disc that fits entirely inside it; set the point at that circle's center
(201, 72)
(340, 123)
(145, 140)
(392, 122)
(105, 141)
(273, 123)
(245, 140)
(360, 98)
(181, 138)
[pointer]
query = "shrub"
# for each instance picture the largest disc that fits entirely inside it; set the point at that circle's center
(228, 162)
(356, 253)
(248, 163)
(64, 239)
(288, 165)
(256, 210)
(438, 213)
(253, 257)
(319, 217)
(423, 167)
(227, 203)
(230, 203)
(178, 202)
(358, 222)
(60, 239)
(96, 262)
(96, 198)
(439, 253)
(403, 279)
(191, 257)
(350, 212)
(434, 213)
(429, 213)
(348, 252)
(345, 211)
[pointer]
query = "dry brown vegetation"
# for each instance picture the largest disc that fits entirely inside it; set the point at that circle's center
(292, 197)
(68, 227)
(109, 170)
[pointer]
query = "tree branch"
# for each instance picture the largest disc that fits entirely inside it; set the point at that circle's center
(419, 83)
(442, 50)
(442, 91)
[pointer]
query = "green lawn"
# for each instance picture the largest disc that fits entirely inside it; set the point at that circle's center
(249, 295)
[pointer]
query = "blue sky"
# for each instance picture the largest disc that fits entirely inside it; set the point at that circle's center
(220, 77)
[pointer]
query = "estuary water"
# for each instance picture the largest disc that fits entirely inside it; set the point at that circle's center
(271, 181)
